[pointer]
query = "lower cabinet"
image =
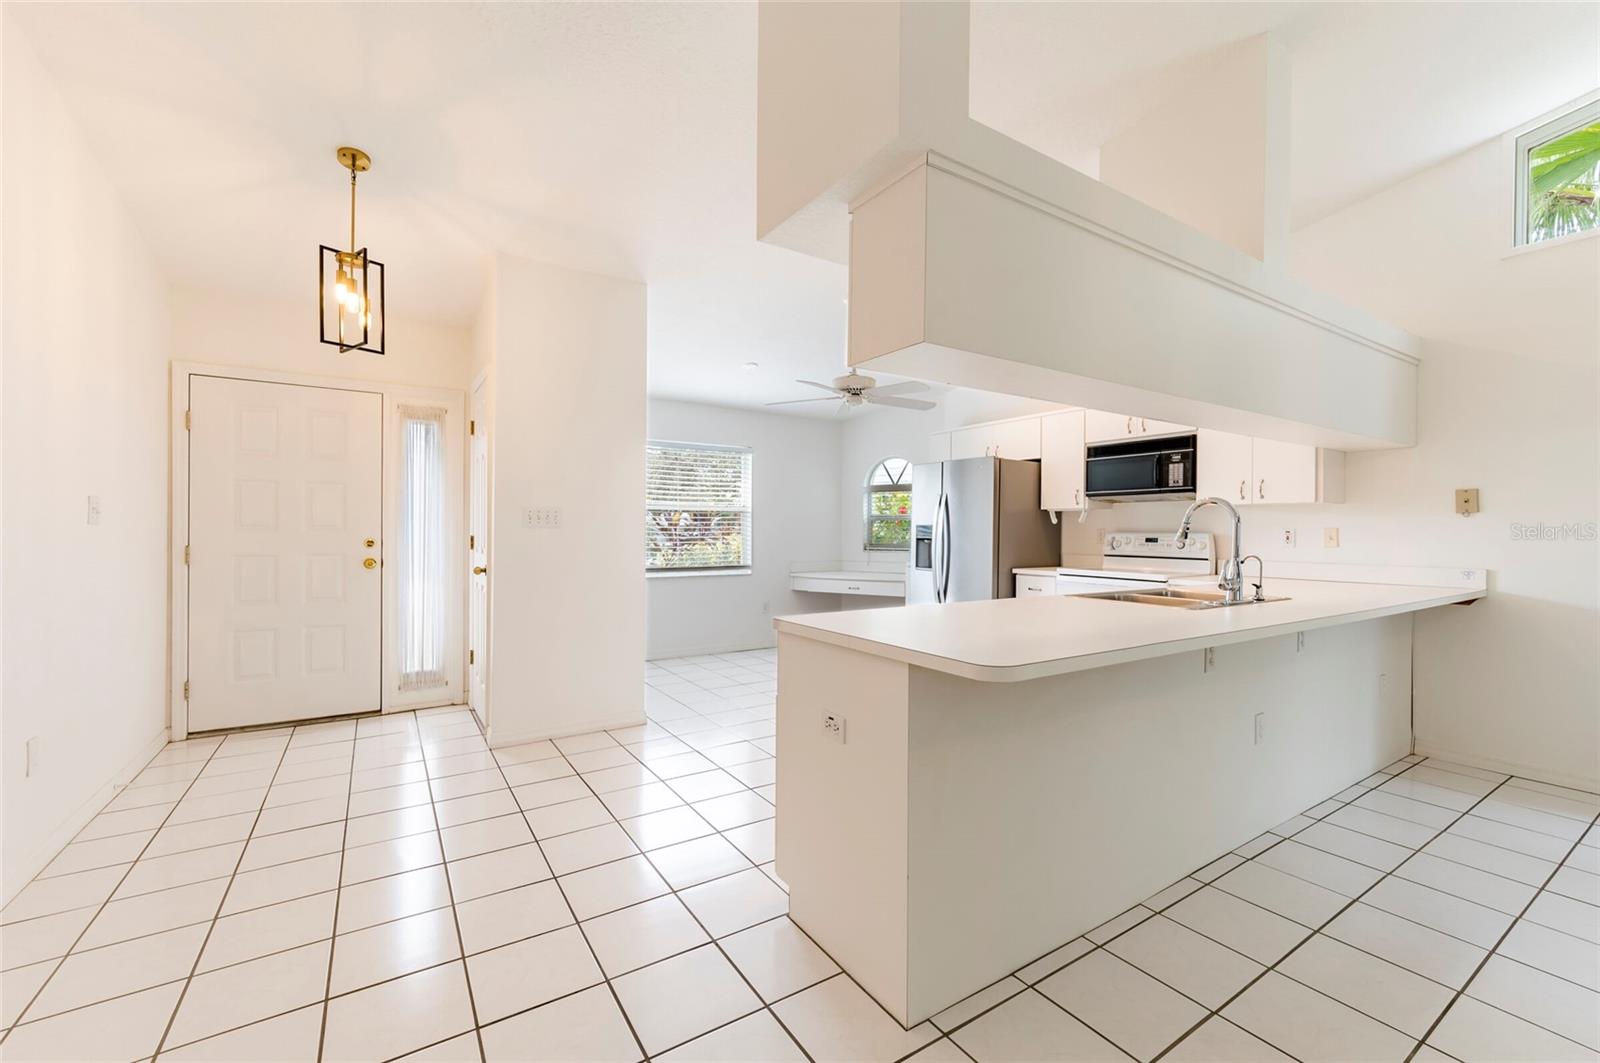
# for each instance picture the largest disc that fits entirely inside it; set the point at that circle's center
(1035, 586)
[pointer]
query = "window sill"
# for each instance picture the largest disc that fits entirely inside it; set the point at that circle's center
(693, 572)
(1560, 241)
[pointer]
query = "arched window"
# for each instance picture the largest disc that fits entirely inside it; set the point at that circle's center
(887, 505)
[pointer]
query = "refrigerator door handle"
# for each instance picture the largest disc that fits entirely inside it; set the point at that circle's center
(944, 552)
(938, 534)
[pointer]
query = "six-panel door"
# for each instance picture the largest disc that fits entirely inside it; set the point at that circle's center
(285, 527)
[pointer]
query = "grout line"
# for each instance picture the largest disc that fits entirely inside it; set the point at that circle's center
(1495, 948)
(1273, 967)
(455, 914)
(166, 1031)
(21, 1015)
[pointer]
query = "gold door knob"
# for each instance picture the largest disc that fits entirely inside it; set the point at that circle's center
(370, 562)
(479, 570)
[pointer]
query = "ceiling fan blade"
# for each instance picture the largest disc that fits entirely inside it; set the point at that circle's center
(796, 402)
(904, 404)
(905, 387)
(814, 384)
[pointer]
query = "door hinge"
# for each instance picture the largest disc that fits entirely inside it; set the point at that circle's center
(186, 553)
(185, 690)
(472, 656)
(472, 542)
(472, 428)
(188, 420)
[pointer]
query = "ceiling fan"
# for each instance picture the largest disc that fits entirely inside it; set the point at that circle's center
(855, 389)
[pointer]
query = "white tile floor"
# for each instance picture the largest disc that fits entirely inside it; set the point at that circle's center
(389, 888)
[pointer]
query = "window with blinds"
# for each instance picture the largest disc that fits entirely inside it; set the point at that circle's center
(697, 507)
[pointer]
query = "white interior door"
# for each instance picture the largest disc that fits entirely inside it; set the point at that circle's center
(478, 556)
(285, 526)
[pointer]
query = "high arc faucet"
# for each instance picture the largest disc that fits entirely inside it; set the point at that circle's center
(1232, 581)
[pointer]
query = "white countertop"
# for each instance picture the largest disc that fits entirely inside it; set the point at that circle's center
(1014, 639)
(1051, 571)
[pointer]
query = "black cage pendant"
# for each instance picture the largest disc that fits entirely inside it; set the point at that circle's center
(350, 284)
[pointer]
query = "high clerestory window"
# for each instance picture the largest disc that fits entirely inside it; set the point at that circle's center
(1558, 177)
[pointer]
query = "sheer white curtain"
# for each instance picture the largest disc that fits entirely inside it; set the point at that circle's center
(421, 554)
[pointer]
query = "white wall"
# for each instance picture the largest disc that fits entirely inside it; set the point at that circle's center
(85, 607)
(567, 616)
(795, 522)
(1202, 155)
(223, 328)
(1507, 404)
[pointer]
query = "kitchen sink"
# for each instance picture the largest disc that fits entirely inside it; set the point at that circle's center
(1176, 598)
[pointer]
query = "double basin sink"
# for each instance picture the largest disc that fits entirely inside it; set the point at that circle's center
(1178, 598)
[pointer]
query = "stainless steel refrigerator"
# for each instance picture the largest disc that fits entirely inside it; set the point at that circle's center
(972, 522)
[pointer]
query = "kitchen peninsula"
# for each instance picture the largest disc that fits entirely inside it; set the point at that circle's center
(967, 786)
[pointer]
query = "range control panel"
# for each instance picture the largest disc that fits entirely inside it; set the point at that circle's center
(1156, 544)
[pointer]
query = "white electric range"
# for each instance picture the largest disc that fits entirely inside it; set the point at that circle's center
(1136, 560)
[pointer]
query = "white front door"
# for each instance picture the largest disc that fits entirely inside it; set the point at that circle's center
(478, 556)
(285, 519)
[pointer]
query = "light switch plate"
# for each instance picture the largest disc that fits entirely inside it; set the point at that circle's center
(1330, 537)
(1466, 501)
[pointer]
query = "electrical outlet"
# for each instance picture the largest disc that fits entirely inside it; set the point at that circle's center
(529, 518)
(833, 727)
(1208, 659)
(31, 767)
(1260, 727)
(92, 514)
(1286, 536)
(1330, 537)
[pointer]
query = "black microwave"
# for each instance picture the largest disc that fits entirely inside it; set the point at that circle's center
(1141, 468)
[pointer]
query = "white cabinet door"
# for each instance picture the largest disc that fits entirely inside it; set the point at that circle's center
(1143, 426)
(1223, 464)
(1283, 472)
(1102, 427)
(1016, 439)
(974, 442)
(285, 530)
(939, 446)
(1061, 441)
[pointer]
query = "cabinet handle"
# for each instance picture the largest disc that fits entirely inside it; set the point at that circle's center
(1130, 426)
(1143, 427)
(1241, 490)
(1077, 496)
(1261, 490)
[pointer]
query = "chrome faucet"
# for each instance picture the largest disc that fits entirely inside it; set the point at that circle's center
(1232, 582)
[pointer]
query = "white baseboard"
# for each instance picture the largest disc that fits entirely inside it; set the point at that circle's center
(86, 810)
(501, 741)
(714, 647)
(1590, 784)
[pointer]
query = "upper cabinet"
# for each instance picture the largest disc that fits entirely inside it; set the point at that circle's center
(1061, 478)
(1248, 471)
(1018, 439)
(1103, 427)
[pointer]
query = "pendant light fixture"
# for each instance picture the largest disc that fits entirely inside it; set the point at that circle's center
(349, 284)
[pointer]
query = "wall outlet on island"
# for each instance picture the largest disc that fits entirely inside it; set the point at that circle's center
(833, 727)
(1260, 727)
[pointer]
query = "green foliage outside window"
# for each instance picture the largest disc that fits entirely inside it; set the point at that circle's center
(1563, 178)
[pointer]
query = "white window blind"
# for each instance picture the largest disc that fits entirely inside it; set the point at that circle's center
(697, 506)
(420, 581)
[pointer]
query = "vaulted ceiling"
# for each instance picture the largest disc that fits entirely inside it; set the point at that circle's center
(620, 137)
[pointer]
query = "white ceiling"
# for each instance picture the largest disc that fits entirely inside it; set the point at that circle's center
(620, 137)
(1380, 91)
